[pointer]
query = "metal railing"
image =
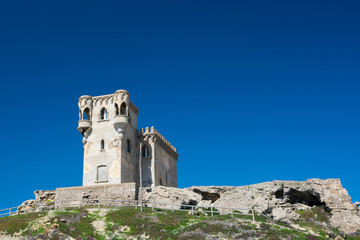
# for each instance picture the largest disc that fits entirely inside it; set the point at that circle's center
(101, 203)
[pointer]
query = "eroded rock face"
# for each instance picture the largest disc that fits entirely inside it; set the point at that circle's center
(27, 206)
(42, 197)
(170, 195)
(278, 199)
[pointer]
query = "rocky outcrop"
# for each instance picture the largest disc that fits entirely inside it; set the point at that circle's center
(278, 199)
(170, 195)
(42, 198)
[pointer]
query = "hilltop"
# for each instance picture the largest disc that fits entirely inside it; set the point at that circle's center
(130, 223)
(311, 209)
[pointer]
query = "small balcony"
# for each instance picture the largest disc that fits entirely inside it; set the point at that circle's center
(120, 121)
(83, 125)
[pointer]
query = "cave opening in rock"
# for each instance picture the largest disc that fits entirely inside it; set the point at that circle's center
(305, 197)
(279, 193)
(207, 195)
(188, 204)
(210, 196)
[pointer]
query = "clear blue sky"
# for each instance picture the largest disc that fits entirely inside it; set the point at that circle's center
(248, 91)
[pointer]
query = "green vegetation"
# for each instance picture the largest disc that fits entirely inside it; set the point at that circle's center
(160, 224)
(17, 223)
(76, 223)
(316, 213)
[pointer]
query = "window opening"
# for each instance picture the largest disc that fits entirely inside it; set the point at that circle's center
(128, 145)
(116, 109)
(102, 173)
(123, 109)
(145, 151)
(102, 145)
(103, 114)
(86, 115)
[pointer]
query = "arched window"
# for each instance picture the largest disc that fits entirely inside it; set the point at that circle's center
(123, 109)
(101, 173)
(103, 114)
(116, 109)
(128, 146)
(145, 151)
(102, 145)
(86, 115)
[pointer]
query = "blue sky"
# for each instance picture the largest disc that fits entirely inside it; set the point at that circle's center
(248, 91)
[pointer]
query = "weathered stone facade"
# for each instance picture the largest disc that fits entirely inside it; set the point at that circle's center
(112, 142)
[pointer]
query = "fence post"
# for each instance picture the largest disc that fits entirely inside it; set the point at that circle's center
(253, 215)
(232, 215)
(211, 209)
(79, 204)
(98, 204)
(192, 210)
(152, 207)
(173, 208)
(9, 211)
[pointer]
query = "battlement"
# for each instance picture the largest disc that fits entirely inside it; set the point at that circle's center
(121, 95)
(157, 137)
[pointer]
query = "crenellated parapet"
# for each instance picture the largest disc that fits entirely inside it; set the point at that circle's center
(119, 97)
(156, 137)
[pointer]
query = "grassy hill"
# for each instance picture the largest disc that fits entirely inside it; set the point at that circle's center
(130, 223)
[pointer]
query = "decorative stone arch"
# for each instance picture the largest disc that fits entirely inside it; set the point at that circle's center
(123, 109)
(86, 114)
(117, 112)
(103, 114)
(145, 151)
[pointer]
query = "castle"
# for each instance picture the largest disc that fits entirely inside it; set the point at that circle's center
(111, 140)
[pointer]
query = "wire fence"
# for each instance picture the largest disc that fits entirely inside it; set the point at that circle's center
(116, 204)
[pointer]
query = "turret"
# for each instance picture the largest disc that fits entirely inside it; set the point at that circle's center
(85, 115)
(121, 105)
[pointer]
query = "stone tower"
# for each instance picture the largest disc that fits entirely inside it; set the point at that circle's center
(111, 142)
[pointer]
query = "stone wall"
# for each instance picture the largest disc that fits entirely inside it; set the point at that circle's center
(123, 191)
(165, 168)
